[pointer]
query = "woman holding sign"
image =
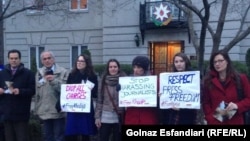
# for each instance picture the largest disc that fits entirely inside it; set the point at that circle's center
(107, 110)
(82, 125)
(141, 115)
(226, 93)
(177, 116)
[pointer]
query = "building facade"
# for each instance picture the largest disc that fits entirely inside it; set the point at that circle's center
(120, 29)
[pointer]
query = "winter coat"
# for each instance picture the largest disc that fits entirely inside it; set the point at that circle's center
(141, 115)
(213, 96)
(17, 107)
(48, 93)
(82, 123)
(103, 100)
(179, 117)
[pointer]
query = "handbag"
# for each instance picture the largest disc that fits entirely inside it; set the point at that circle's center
(240, 94)
(120, 114)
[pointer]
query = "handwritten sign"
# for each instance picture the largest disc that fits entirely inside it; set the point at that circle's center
(75, 98)
(139, 91)
(180, 90)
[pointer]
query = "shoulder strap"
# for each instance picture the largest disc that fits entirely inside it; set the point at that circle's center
(239, 88)
(112, 100)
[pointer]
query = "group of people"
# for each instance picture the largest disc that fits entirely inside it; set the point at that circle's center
(18, 85)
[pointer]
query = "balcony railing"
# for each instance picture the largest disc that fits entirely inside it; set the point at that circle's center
(148, 10)
(149, 19)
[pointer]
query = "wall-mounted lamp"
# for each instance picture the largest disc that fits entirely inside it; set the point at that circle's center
(137, 40)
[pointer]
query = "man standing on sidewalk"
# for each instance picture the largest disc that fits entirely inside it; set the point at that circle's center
(17, 86)
(48, 86)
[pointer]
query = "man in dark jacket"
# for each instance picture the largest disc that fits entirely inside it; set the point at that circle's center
(17, 86)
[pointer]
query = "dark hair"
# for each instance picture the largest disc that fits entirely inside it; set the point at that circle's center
(230, 68)
(230, 71)
(141, 61)
(186, 60)
(14, 51)
(106, 72)
(89, 70)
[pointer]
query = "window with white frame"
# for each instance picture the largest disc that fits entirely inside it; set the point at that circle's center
(37, 6)
(76, 51)
(79, 4)
(34, 57)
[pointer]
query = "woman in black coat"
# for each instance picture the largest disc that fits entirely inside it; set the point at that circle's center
(82, 125)
(178, 116)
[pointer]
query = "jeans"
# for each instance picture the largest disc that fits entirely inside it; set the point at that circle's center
(16, 130)
(54, 129)
(108, 130)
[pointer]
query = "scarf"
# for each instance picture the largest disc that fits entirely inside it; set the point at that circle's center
(112, 80)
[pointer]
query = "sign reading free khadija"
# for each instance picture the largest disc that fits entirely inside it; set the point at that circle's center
(75, 98)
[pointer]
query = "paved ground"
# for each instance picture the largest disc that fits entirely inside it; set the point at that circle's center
(93, 138)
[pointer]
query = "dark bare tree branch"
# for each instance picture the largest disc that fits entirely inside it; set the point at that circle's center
(54, 5)
(216, 33)
(220, 26)
(240, 34)
(237, 39)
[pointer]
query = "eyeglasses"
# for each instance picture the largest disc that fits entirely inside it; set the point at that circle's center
(48, 58)
(218, 61)
(80, 61)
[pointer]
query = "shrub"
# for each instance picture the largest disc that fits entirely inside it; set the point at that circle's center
(239, 66)
(127, 68)
(99, 68)
(33, 65)
(195, 66)
(35, 128)
(87, 52)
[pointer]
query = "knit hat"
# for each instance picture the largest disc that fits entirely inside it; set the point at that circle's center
(141, 61)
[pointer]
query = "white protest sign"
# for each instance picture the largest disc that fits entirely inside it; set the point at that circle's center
(75, 98)
(138, 91)
(180, 90)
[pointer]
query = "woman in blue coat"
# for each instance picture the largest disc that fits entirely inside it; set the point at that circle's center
(82, 125)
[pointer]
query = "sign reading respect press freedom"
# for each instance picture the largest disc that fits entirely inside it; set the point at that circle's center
(75, 98)
(180, 90)
(139, 91)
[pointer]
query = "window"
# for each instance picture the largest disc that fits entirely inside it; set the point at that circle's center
(34, 57)
(78, 5)
(37, 6)
(75, 52)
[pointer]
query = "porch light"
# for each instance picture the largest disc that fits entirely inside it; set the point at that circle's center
(137, 40)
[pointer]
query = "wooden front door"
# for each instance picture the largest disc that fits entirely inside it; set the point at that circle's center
(161, 55)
